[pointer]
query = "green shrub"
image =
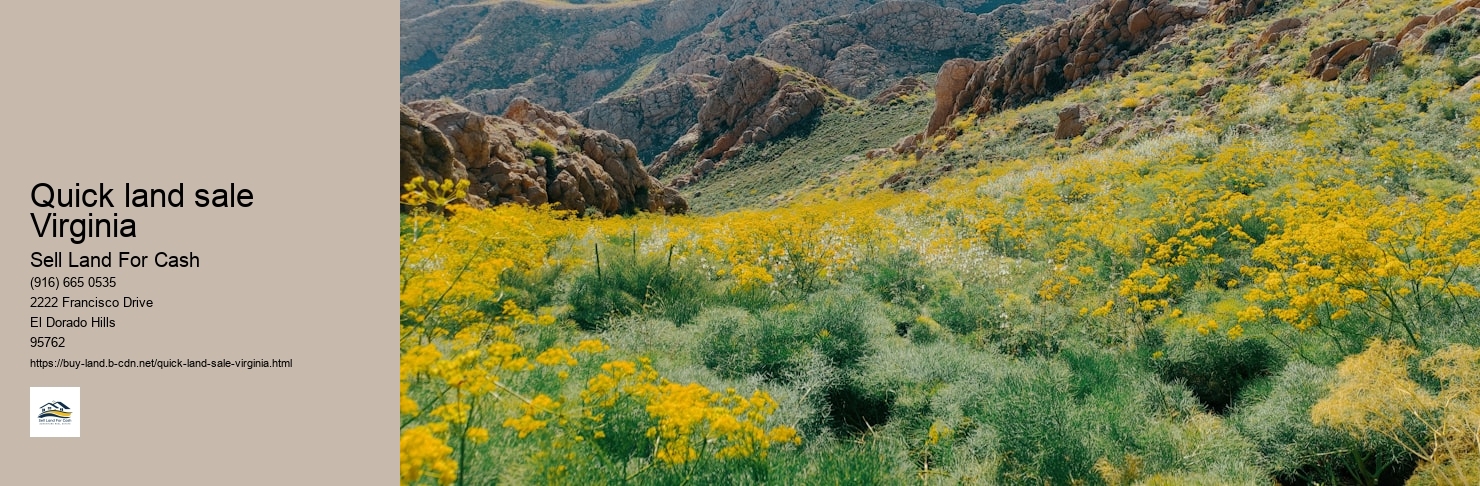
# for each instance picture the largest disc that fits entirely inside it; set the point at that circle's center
(925, 331)
(1026, 339)
(1215, 367)
(897, 278)
(1022, 414)
(803, 393)
(810, 349)
(1032, 410)
(541, 148)
(624, 284)
(966, 310)
(842, 323)
(1295, 450)
(734, 343)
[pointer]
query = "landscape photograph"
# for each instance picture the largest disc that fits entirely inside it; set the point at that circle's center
(939, 242)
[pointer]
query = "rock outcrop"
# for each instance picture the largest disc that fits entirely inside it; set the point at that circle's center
(651, 118)
(1412, 34)
(1277, 30)
(949, 84)
(1327, 61)
(1066, 54)
(1379, 56)
(909, 86)
(861, 53)
(1228, 11)
(756, 100)
(1071, 122)
(746, 23)
(530, 155)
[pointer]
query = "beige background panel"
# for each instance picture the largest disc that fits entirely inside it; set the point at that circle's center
(293, 100)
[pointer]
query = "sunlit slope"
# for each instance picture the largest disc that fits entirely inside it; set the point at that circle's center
(1238, 274)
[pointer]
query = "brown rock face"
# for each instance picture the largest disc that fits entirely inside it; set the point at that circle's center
(1277, 30)
(1071, 122)
(1226, 11)
(1379, 56)
(1327, 61)
(949, 85)
(425, 152)
(1412, 33)
(756, 100)
(1349, 52)
(1139, 21)
(1065, 54)
(592, 170)
(651, 118)
(745, 24)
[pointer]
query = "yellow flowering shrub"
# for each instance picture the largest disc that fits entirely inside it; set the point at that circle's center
(1375, 394)
(475, 364)
(1346, 253)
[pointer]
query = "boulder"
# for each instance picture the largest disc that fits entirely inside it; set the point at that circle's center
(1327, 61)
(1071, 122)
(949, 84)
(1379, 56)
(1276, 30)
(1139, 21)
(1229, 11)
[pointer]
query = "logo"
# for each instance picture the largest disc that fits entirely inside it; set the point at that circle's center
(55, 409)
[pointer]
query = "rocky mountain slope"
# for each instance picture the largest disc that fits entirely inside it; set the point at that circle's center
(642, 69)
(483, 55)
(1070, 53)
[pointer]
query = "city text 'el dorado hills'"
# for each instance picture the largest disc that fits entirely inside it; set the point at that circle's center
(123, 259)
(78, 230)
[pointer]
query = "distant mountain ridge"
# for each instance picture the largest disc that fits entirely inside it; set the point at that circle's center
(644, 68)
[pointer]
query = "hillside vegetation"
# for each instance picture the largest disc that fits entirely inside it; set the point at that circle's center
(1238, 273)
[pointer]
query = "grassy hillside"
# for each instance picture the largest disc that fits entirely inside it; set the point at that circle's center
(1272, 281)
(832, 144)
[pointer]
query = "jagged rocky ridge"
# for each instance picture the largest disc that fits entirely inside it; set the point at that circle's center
(502, 156)
(756, 100)
(652, 118)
